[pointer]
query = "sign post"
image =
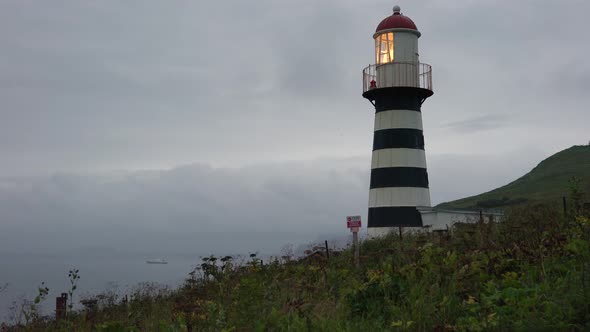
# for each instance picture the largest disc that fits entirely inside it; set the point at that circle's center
(354, 224)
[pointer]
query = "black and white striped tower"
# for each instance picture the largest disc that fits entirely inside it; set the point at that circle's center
(397, 85)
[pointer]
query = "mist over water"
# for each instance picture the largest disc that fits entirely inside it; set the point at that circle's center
(103, 269)
(98, 272)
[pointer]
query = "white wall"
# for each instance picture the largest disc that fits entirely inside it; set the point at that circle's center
(443, 219)
(405, 47)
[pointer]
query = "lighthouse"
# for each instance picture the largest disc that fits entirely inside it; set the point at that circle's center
(397, 85)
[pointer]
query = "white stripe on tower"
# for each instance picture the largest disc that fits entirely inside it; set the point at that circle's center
(398, 119)
(398, 158)
(399, 196)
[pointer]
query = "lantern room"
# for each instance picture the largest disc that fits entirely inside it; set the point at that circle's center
(397, 62)
(396, 39)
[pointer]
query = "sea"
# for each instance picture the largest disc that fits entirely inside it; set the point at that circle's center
(23, 273)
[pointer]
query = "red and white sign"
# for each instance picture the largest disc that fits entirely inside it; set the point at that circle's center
(353, 222)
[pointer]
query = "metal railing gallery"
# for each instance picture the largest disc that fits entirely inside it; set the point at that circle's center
(397, 74)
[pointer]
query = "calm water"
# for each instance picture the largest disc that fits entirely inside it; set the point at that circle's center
(24, 272)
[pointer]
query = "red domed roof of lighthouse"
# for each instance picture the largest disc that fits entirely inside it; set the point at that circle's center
(396, 21)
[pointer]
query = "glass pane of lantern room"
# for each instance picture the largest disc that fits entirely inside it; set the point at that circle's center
(377, 48)
(390, 45)
(384, 48)
(379, 44)
(383, 53)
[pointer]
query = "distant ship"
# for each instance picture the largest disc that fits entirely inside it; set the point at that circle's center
(157, 261)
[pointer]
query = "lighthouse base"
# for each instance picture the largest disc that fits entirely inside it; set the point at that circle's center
(384, 220)
(437, 219)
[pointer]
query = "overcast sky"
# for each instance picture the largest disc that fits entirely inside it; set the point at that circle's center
(90, 87)
(101, 85)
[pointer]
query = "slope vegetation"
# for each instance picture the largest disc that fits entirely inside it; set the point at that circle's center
(547, 182)
(528, 273)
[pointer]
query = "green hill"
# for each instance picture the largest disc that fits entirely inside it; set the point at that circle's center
(547, 182)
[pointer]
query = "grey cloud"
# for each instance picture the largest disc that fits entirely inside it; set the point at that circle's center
(478, 124)
(270, 200)
(110, 85)
(270, 204)
(92, 87)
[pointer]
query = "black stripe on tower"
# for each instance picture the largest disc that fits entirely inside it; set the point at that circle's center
(394, 216)
(399, 177)
(398, 99)
(398, 138)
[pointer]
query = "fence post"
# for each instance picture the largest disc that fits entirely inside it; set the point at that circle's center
(327, 251)
(355, 243)
(60, 306)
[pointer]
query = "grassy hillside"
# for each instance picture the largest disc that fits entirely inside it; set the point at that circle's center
(547, 182)
(528, 273)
